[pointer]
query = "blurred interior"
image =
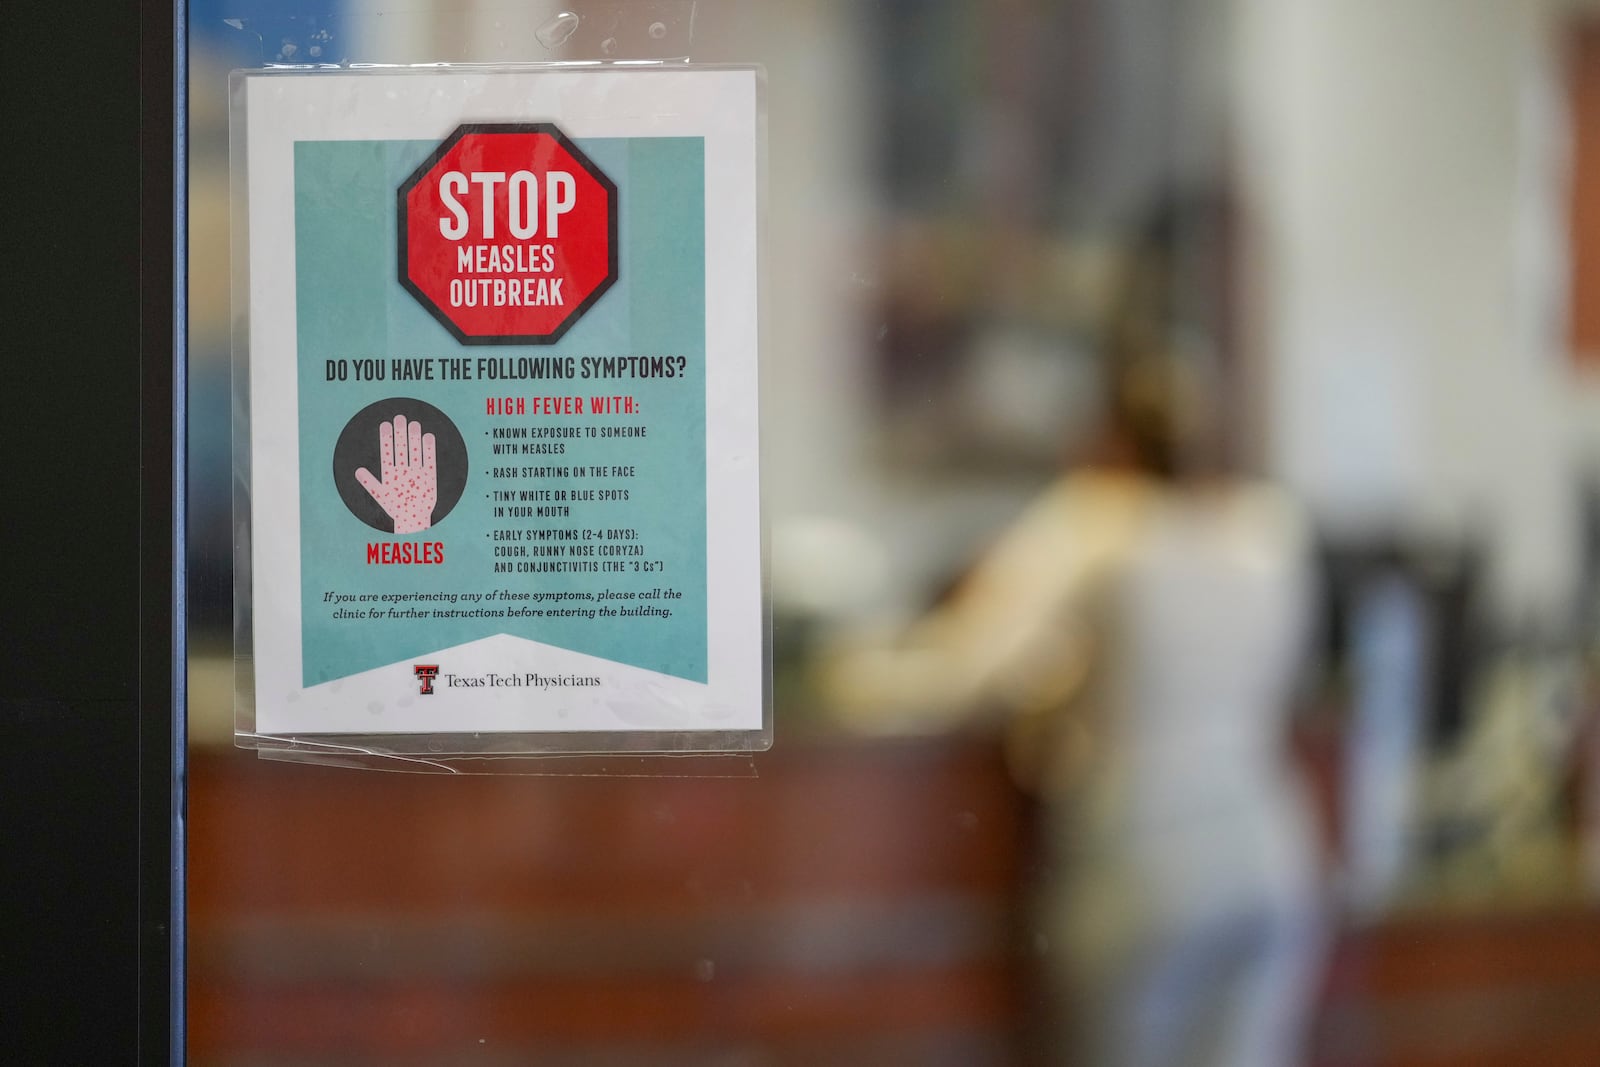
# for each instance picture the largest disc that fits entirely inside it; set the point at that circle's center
(1372, 232)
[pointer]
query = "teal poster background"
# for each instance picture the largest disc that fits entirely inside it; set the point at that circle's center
(350, 307)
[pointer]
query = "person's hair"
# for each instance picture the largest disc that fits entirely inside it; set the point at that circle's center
(1140, 416)
(1159, 388)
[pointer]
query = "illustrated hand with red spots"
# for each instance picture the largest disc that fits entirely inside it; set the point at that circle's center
(409, 488)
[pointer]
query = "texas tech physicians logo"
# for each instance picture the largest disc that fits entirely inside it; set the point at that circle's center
(427, 672)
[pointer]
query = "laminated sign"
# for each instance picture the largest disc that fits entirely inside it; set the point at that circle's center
(500, 352)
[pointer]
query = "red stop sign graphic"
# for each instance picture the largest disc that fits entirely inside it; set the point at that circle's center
(508, 233)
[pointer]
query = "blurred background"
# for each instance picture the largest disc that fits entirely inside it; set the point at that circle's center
(1347, 249)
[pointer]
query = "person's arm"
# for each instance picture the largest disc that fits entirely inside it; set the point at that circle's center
(1011, 637)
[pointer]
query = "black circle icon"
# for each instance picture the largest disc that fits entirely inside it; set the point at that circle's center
(360, 448)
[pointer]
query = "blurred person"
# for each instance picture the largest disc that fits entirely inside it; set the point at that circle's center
(1140, 632)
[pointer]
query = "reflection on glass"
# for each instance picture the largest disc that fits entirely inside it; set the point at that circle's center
(1184, 610)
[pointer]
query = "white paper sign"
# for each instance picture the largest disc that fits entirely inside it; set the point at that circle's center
(503, 403)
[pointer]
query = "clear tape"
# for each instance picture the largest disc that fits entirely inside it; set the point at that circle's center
(616, 31)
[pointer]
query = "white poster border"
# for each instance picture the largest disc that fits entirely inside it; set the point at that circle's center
(632, 709)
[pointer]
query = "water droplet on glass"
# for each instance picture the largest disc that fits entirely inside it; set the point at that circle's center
(705, 970)
(557, 29)
(608, 45)
(315, 50)
(657, 30)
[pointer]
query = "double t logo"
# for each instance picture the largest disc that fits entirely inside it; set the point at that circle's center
(427, 672)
